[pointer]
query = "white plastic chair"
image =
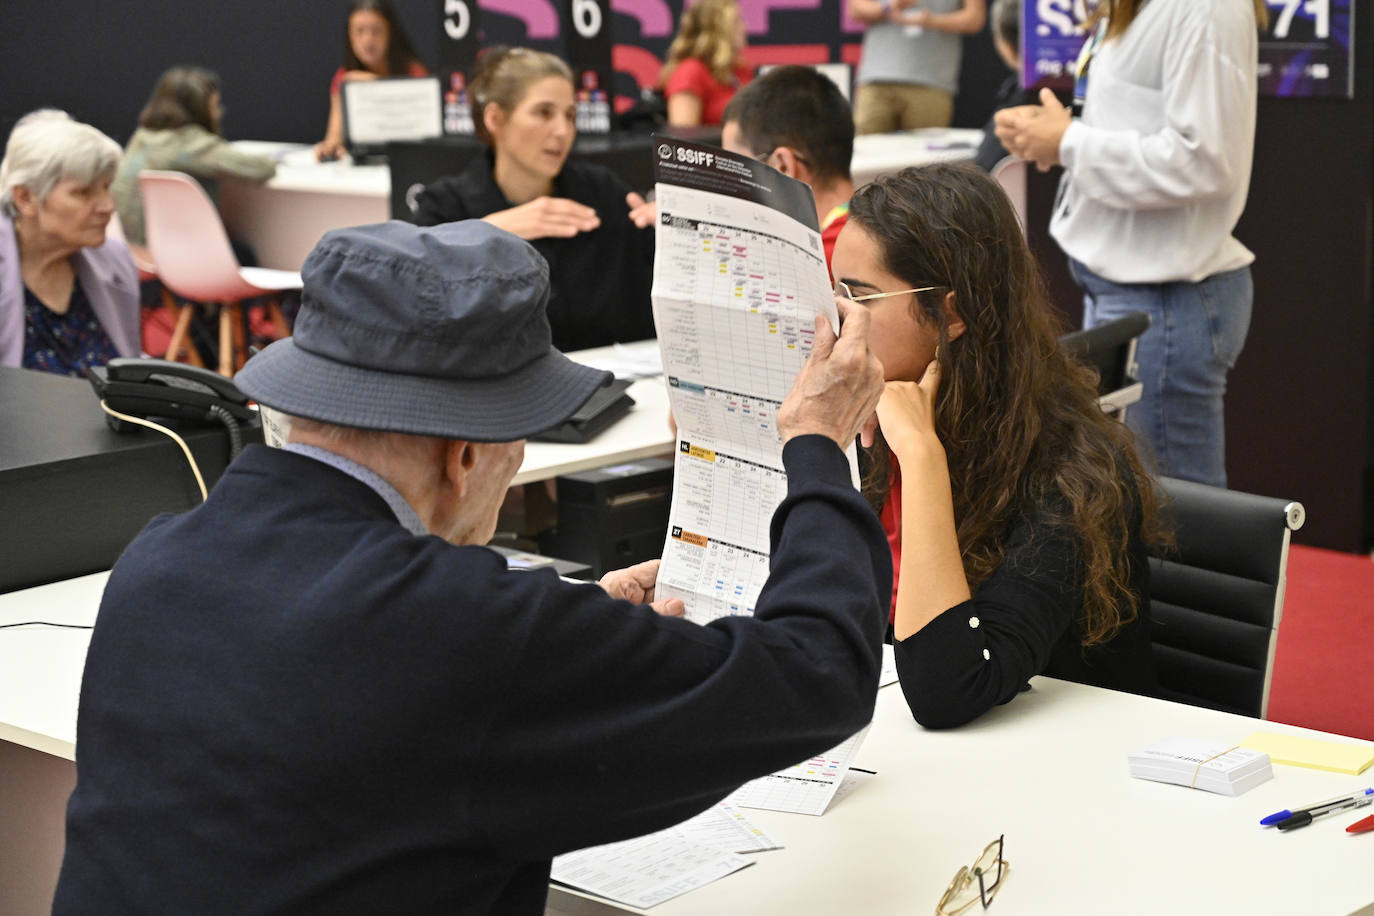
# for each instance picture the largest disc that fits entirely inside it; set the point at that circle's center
(195, 261)
(1010, 173)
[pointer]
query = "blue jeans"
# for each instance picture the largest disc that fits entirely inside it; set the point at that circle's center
(1196, 332)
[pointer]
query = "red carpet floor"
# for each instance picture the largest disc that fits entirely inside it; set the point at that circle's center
(1324, 663)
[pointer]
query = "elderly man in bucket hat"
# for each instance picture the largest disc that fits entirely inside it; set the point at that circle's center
(316, 694)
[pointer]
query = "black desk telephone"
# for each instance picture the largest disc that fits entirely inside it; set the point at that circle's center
(159, 388)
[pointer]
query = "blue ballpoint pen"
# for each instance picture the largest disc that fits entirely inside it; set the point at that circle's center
(1330, 806)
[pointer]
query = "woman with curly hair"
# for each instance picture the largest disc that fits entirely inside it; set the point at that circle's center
(705, 64)
(1017, 512)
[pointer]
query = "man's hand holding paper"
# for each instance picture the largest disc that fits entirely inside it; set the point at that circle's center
(837, 391)
(636, 583)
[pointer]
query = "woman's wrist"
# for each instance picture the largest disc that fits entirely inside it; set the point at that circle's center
(920, 449)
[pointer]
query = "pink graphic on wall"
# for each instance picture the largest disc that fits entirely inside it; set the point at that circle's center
(640, 64)
(756, 12)
(655, 18)
(539, 16)
(848, 24)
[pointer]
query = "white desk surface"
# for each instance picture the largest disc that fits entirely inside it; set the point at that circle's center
(644, 433)
(299, 170)
(1049, 771)
(284, 218)
(874, 154)
(882, 154)
(40, 667)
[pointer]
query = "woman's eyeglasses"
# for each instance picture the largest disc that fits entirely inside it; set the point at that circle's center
(977, 882)
(842, 289)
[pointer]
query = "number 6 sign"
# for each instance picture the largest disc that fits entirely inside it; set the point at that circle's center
(586, 28)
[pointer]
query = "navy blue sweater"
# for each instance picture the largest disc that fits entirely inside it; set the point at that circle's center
(293, 705)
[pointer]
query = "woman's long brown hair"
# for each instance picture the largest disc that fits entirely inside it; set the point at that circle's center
(1121, 13)
(1018, 417)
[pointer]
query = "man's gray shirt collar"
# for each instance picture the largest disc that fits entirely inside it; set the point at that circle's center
(404, 513)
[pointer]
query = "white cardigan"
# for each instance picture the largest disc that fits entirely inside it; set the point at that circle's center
(1159, 164)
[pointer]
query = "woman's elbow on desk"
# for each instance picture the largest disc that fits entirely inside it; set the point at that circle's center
(938, 709)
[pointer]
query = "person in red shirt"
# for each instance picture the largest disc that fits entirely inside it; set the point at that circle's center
(375, 45)
(705, 63)
(797, 121)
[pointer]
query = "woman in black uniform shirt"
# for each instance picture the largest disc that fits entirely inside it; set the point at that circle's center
(576, 214)
(1017, 512)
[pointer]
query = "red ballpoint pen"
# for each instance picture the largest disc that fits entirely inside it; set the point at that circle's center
(1363, 826)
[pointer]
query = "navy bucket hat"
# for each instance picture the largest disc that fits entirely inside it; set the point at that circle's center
(437, 331)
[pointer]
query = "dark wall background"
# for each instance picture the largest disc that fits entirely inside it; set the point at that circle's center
(99, 60)
(1301, 406)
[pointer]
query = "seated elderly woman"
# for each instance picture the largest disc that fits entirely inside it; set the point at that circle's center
(68, 293)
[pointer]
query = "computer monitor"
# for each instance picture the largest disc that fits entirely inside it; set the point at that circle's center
(376, 112)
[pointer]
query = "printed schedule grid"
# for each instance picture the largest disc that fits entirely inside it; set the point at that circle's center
(736, 307)
(737, 287)
(716, 555)
(804, 788)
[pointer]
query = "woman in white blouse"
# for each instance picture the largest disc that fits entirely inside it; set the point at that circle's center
(1158, 167)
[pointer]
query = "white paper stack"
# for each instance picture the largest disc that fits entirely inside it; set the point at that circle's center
(1212, 766)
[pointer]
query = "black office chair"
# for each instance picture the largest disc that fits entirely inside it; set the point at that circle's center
(1216, 600)
(1110, 349)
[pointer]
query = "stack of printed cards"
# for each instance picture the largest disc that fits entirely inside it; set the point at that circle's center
(1208, 765)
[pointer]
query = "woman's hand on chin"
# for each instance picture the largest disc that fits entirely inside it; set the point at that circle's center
(906, 415)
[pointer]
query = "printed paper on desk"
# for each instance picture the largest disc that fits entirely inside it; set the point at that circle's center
(1316, 753)
(724, 827)
(666, 863)
(888, 673)
(852, 781)
(739, 278)
(636, 360)
(645, 871)
(807, 787)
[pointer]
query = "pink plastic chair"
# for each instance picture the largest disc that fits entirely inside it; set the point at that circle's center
(143, 260)
(177, 314)
(1011, 174)
(194, 260)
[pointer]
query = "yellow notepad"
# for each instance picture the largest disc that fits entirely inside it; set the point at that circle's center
(1312, 752)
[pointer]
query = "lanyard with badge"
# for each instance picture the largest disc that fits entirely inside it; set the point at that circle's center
(1080, 93)
(1085, 59)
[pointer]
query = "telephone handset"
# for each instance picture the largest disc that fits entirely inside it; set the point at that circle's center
(160, 388)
